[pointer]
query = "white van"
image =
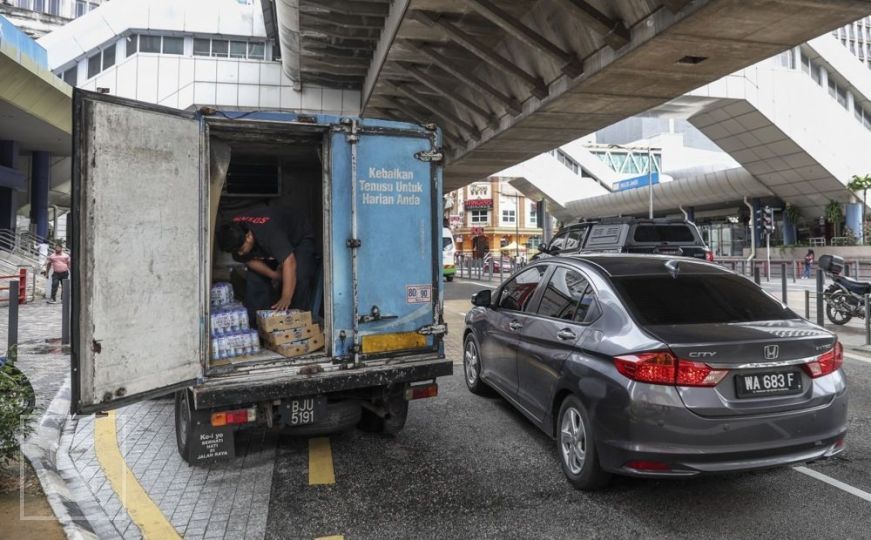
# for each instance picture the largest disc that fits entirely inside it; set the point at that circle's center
(448, 251)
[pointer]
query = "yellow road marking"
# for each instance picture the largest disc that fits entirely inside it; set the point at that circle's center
(336, 537)
(320, 462)
(142, 510)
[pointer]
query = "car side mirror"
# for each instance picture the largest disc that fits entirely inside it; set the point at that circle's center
(482, 298)
(543, 248)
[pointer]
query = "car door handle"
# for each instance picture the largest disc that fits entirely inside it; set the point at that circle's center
(566, 334)
(514, 325)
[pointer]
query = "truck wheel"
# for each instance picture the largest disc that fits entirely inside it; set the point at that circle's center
(184, 424)
(397, 413)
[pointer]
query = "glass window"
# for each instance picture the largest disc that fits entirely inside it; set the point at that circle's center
(81, 8)
(201, 47)
(38, 5)
(832, 87)
(558, 242)
(509, 216)
(569, 296)
(573, 242)
(54, 7)
(220, 47)
(517, 293)
(842, 96)
(533, 215)
(256, 51)
(817, 74)
(173, 45)
(716, 299)
(480, 217)
(132, 44)
(149, 44)
(93, 65)
(238, 49)
(109, 57)
(805, 63)
(70, 76)
(663, 233)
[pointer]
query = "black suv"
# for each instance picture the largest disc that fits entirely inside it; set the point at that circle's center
(629, 235)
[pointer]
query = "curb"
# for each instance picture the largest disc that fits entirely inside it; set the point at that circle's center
(41, 450)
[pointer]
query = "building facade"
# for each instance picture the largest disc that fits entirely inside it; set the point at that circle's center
(492, 216)
(37, 18)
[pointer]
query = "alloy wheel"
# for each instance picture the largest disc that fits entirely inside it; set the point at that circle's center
(573, 440)
(471, 363)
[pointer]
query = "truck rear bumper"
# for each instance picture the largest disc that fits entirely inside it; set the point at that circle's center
(274, 384)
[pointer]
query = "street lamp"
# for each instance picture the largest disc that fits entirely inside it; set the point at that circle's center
(649, 173)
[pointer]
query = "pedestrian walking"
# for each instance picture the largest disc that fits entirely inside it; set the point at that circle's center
(59, 264)
(808, 263)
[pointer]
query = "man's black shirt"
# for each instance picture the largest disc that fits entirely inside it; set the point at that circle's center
(278, 232)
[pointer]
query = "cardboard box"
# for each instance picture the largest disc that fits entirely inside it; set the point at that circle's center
(280, 337)
(303, 346)
(270, 320)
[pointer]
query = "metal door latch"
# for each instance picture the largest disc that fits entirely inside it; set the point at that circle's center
(430, 155)
(375, 315)
(354, 243)
(433, 330)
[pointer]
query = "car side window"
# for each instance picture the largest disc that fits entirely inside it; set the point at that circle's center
(573, 242)
(568, 296)
(517, 293)
(558, 243)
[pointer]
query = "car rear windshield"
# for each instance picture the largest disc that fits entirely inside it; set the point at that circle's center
(664, 233)
(697, 299)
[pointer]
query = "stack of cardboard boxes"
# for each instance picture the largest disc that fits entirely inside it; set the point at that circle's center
(289, 332)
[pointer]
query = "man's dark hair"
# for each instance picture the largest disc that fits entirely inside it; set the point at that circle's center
(231, 236)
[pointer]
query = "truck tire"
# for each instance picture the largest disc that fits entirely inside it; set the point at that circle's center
(340, 416)
(184, 424)
(397, 413)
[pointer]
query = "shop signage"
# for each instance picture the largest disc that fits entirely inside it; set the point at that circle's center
(479, 203)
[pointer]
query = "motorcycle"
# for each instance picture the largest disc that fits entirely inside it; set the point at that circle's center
(845, 297)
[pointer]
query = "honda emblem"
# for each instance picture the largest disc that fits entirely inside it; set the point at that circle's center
(771, 352)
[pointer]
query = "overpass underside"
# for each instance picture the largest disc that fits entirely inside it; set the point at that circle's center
(509, 80)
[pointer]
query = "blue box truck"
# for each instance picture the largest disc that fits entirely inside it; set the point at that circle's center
(150, 185)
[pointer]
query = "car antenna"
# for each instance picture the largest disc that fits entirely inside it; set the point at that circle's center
(673, 267)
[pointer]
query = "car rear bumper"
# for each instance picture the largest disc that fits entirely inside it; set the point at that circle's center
(685, 444)
(449, 271)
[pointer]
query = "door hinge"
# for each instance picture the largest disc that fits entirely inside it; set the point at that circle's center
(433, 156)
(433, 330)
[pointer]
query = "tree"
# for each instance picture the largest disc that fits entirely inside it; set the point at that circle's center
(861, 183)
(834, 215)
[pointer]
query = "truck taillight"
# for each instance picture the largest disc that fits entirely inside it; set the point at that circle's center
(421, 392)
(663, 367)
(234, 417)
(826, 363)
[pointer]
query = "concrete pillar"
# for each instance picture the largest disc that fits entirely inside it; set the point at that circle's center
(789, 231)
(545, 223)
(39, 184)
(8, 194)
(854, 219)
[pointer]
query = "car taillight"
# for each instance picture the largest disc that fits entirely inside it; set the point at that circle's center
(709, 255)
(826, 363)
(663, 367)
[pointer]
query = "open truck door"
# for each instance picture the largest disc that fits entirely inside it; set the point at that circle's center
(139, 297)
(387, 237)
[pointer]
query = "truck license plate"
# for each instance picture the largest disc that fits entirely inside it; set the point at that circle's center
(303, 411)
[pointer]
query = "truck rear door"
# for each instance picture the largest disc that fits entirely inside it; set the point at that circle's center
(385, 238)
(139, 251)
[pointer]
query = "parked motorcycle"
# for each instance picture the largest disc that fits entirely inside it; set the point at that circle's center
(845, 297)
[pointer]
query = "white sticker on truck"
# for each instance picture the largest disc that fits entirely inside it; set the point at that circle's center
(418, 294)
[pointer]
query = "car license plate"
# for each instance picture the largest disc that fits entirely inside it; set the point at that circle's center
(768, 384)
(301, 411)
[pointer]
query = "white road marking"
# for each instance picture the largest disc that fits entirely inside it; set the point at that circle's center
(864, 495)
(854, 356)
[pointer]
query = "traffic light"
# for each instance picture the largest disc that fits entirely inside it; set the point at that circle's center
(768, 220)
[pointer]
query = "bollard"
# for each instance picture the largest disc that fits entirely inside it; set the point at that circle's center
(846, 269)
(794, 270)
(500, 273)
(783, 282)
(756, 274)
(807, 304)
(65, 316)
(743, 267)
(820, 280)
(868, 319)
(12, 342)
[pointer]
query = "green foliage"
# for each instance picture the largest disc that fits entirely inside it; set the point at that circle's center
(859, 183)
(14, 391)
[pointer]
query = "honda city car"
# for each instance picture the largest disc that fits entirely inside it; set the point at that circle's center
(657, 367)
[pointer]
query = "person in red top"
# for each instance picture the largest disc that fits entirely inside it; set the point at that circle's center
(59, 264)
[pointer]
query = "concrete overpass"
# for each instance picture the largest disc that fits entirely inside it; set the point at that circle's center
(508, 81)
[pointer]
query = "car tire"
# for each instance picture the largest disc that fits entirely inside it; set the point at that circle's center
(472, 367)
(576, 447)
(449, 278)
(184, 424)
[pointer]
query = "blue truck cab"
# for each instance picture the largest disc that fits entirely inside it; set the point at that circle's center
(150, 187)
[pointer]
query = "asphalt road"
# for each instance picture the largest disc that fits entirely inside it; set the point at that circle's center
(467, 466)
